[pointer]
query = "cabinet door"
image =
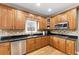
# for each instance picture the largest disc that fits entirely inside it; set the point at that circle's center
(70, 47)
(38, 43)
(59, 18)
(47, 38)
(61, 44)
(55, 42)
(7, 17)
(72, 19)
(20, 17)
(10, 18)
(51, 41)
(30, 45)
(31, 16)
(44, 41)
(4, 16)
(53, 22)
(4, 49)
(42, 24)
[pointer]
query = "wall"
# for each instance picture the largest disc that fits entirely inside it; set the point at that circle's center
(78, 34)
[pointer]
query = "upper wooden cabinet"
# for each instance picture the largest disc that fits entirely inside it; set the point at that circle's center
(53, 22)
(7, 17)
(42, 23)
(72, 19)
(11, 18)
(20, 20)
(69, 16)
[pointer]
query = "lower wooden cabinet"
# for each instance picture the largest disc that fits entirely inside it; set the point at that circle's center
(38, 42)
(44, 41)
(70, 47)
(5, 48)
(47, 38)
(51, 41)
(65, 45)
(62, 44)
(58, 43)
(55, 42)
(30, 45)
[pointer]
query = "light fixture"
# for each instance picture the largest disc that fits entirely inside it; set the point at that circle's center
(49, 10)
(38, 4)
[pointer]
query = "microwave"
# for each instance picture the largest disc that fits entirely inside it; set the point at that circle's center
(62, 25)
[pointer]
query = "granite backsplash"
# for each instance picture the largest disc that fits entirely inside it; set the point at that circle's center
(14, 32)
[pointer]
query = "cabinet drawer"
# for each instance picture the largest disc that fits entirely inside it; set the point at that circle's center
(5, 49)
(4, 44)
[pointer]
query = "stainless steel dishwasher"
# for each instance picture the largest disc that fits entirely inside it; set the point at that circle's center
(18, 47)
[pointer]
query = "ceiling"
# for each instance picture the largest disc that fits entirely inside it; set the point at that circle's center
(43, 8)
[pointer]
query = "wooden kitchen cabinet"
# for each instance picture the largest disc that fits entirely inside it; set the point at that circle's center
(59, 18)
(3, 18)
(11, 18)
(5, 48)
(51, 41)
(47, 38)
(62, 44)
(20, 20)
(70, 47)
(58, 43)
(31, 16)
(7, 17)
(55, 42)
(53, 22)
(38, 42)
(72, 19)
(42, 23)
(41, 42)
(44, 41)
(30, 45)
(69, 16)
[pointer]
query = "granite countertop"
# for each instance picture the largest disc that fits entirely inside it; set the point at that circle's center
(24, 37)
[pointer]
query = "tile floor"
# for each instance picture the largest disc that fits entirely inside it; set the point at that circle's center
(47, 51)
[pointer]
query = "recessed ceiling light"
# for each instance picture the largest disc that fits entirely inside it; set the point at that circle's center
(49, 10)
(38, 4)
